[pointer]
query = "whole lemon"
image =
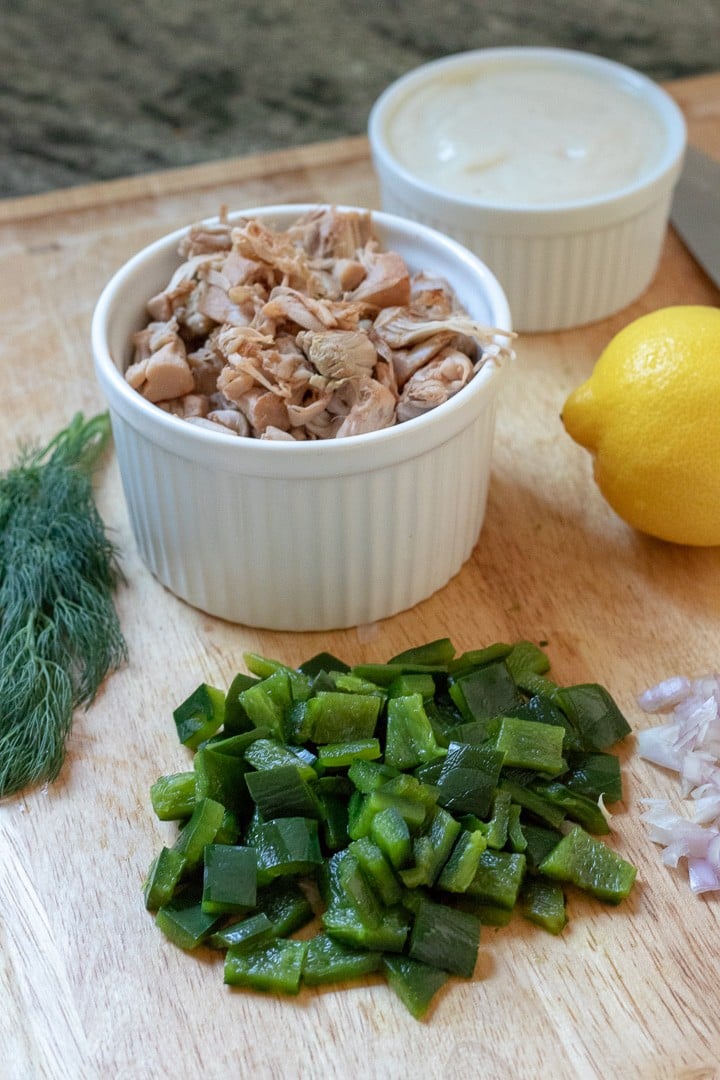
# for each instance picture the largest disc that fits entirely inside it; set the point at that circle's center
(650, 415)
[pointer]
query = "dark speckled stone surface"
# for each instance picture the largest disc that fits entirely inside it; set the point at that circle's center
(90, 90)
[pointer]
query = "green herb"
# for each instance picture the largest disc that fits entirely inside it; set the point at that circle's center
(59, 632)
(417, 801)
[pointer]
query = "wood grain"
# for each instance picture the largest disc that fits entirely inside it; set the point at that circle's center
(89, 987)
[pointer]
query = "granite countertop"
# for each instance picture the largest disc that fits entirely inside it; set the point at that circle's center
(92, 91)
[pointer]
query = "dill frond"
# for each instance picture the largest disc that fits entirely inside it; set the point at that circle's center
(59, 631)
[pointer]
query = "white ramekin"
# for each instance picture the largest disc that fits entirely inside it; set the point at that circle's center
(303, 536)
(561, 265)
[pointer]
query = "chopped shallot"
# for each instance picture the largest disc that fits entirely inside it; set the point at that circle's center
(308, 333)
(688, 744)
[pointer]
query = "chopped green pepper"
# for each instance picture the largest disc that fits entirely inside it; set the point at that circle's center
(421, 799)
(286, 846)
(275, 966)
(184, 922)
(282, 792)
(334, 717)
(485, 693)
(543, 903)
(415, 983)
(468, 778)
(525, 744)
(162, 879)
(460, 869)
(328, 961)
(200, 830)
(342, 755)
(248, 933)
(498, 878)
(591, 865)
(229, 879)
(593, 713)
(410, 739)
(446, 938)
(173, 797)
(200, 715)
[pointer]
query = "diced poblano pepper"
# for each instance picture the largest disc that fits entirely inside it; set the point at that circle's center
(334, 716)
(591, 865)
(498, 878)
(460, 869)
(543, 903)
(355, 892)
(286, 905)
(334, 820)
(245, 934)
(163, 878)
(275, 966)
(322, 662)
(485, 693)
(363, 809)
(390, 832)
(236, 719)
(342, 755)
(173, 797)
(229, 879)
(478, 658)
(369, 775)
(577, 807)
(184, 922)
(445, 937)
(329, 961)
(343, 924)
(221, 777)
(431, 850)
(517, 841)
(526, 657)
(264, 667)
(286, 846)
(593, 712)
(267, 703)
(595, 774)
(525, 744)
(282, 792)
(410, 739)
(542, 808)
(496, 830)
(424, 778)
(539, 842)
(469, 778)
(419, 683)
(200, 715)
(415, 983)
(377, 870)
(438, 653)
(200, 830)
(264, 754)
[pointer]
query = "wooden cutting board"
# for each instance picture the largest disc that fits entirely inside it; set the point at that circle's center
(89, 987)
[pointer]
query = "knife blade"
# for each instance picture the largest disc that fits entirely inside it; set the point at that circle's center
(695, 211)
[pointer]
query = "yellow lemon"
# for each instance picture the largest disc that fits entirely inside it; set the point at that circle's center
(650, 416)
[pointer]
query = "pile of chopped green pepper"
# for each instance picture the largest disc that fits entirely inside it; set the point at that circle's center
(397, 806)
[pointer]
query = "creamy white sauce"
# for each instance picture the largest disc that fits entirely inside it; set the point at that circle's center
(536, 136)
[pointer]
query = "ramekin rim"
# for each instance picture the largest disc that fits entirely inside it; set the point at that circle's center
(111, 378)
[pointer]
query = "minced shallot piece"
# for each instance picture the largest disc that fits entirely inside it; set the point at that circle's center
(306, 333)
(688, 744)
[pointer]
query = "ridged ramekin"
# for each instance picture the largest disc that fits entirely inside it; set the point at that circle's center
(303, 536)
(560, 265)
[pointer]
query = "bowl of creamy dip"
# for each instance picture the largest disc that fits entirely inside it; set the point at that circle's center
(555, 167)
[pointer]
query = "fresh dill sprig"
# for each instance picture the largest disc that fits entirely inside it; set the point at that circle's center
(59, 631)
